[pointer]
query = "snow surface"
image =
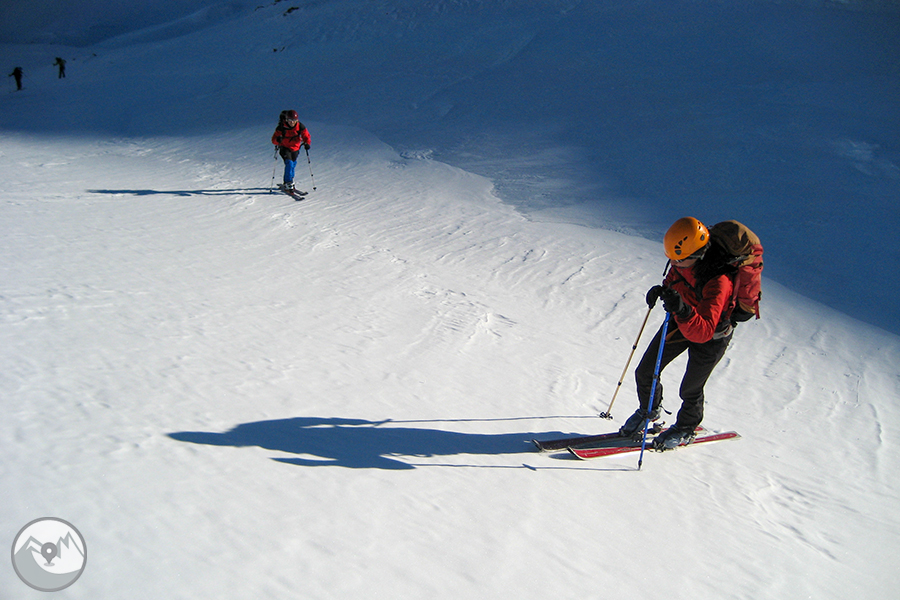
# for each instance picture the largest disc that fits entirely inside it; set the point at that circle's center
(235, 395)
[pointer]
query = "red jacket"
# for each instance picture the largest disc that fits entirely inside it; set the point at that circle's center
(291, 137)
(712, 306)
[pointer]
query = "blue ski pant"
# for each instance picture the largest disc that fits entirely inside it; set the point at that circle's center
(290, 163)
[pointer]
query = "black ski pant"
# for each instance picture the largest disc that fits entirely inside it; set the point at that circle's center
(702, 359)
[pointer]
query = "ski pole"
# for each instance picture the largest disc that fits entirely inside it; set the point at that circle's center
(662, 343)
(310, 169)
(608, 413)
(275, 168)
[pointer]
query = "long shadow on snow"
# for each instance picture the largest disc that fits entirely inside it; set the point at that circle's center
(222, 192)
(357, 443)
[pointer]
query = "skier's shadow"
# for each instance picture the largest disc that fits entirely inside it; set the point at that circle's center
(359, 444)
(219, 192)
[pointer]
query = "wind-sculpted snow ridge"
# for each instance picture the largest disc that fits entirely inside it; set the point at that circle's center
(349, 384)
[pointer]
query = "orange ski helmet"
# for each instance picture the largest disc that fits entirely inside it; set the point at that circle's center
(685, 237)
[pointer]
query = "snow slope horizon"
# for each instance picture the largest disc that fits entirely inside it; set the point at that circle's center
(727, 110)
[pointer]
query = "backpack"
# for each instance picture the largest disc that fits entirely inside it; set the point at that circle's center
(745, 252)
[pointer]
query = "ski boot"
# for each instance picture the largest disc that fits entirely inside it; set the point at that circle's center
(673, 437)
(634, 425)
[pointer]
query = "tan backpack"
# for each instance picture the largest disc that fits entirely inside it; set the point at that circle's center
(746, 252)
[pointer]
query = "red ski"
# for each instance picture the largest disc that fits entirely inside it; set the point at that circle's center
(584, 440)
(620, 446)
(292, 192)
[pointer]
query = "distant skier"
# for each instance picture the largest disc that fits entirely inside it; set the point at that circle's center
(698, 294)
(17, 73)
(289, 137)
(62, 67)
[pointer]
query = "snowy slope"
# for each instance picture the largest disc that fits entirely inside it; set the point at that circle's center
(232, 394)
(618, 115)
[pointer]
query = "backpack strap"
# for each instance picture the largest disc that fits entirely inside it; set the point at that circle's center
(716, 263)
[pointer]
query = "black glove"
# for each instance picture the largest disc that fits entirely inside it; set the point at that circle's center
(673, 303)
(653, 295)
(306, 146)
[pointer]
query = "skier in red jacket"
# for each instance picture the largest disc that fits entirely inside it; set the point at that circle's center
(698, 294)
(289, 137)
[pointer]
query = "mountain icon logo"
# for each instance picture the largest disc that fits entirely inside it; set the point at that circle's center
(49, 554)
